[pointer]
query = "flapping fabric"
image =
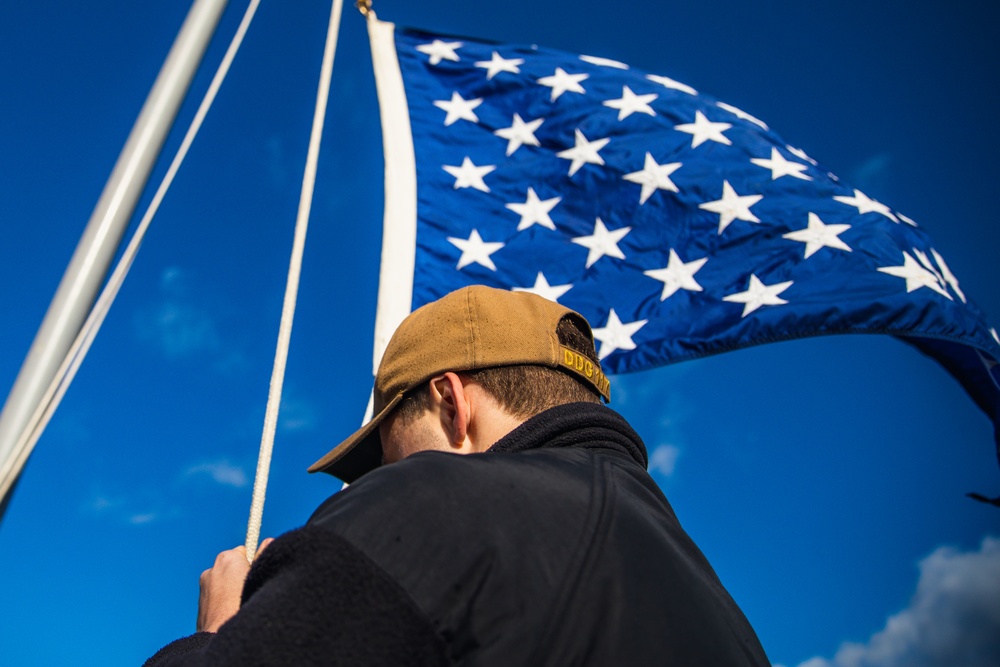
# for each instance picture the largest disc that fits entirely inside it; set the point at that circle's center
(679, 225)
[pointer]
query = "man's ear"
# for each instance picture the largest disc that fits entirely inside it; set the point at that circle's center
(447, 393)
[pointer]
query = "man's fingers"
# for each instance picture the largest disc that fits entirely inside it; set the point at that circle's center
(264, 545)
(221, 588)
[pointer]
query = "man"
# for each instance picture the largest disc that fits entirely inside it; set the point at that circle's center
(547, 543)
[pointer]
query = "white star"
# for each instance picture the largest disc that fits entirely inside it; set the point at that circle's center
(475, 250)
(585, 152)
(678, 274)
(519, 133)
(603, 62)
(653, 177)
(561, 82)
(819, 235)
(740, 113)
(907, 220)
(732, 206)
(534, 211)
(667, 82)
(630, 103)
(915, 275)
(780, 166)
(496, 64)
(948, 275)
(438, 51)
(759, 295)
(799, 153)
(864, 204)
(543, 289)
(925, 261)
(602, 242)
(459, 109)
(615, 335)
(469, 175)
(702, 130)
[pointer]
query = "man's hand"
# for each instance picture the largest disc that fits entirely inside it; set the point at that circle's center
(222, 587)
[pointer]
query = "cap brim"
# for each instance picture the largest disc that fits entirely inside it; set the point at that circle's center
(360, 453)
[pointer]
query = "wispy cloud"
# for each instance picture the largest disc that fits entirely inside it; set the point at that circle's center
(953, 619)
(663, 460)
(121, 509)
(296, 415)
(660, 410)
(221, 472)
(100, 503)
(174, 323)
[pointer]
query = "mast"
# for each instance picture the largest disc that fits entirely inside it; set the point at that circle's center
(93, 255)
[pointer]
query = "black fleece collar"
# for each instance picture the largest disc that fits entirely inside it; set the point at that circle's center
(575, 425)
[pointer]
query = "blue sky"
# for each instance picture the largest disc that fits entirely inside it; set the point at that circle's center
(824, 478)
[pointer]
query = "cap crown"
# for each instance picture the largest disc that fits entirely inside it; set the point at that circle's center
(470, 329)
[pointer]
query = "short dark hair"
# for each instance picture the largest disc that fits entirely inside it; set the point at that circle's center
(524, 391)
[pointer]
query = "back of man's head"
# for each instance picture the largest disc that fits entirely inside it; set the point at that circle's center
(525, 390)
(529, 353)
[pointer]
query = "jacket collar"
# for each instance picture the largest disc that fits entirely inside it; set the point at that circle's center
(588, 425)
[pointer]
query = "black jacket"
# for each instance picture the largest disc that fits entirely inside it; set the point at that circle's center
(553, 548)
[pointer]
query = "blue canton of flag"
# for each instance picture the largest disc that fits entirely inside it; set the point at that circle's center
(678, 225)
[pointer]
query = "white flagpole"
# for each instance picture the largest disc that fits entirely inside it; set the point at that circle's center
(94, 253)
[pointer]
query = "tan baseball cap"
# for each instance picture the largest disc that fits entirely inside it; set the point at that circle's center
(470, 329)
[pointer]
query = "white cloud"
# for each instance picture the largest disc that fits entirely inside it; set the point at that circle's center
(176, 329)
(174, 324)
(100, 503)
(663, 460)
(296, 415)
(953, 619)
(121, 509)
(221, 472)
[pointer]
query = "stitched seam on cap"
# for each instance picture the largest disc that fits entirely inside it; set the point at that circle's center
(471, 319)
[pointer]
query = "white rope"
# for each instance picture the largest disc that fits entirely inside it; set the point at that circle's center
(291, 288)
(81, 344)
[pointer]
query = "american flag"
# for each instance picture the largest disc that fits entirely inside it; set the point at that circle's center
(678, 225)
